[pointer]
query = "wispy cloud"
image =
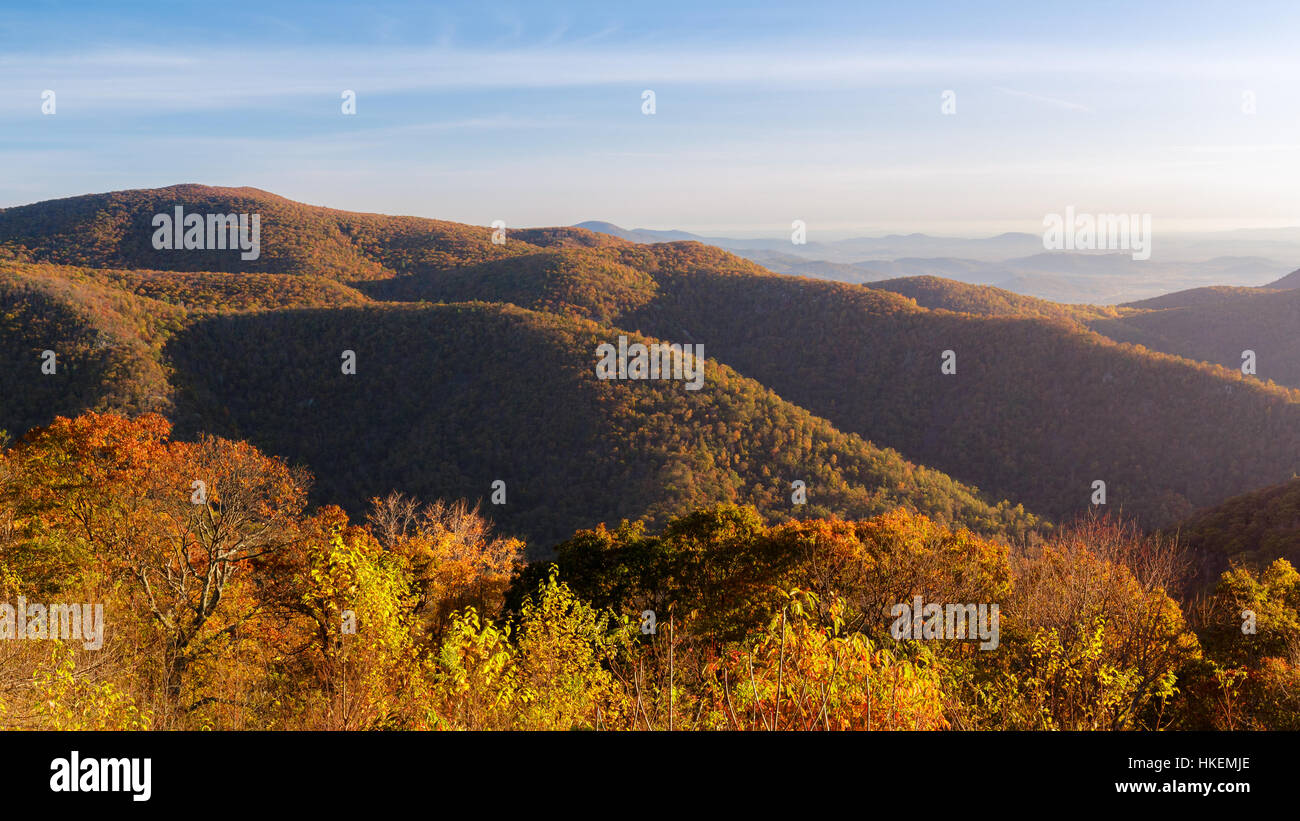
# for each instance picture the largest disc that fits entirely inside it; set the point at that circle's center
(215, 79)
(1045, 100)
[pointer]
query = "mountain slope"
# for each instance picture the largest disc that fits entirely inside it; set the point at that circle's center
(446, 399)
(1291, 280)
(1036, 412)
(105, 345)
(1219, 329)
(985, 300)
(115, 231)
(1039, 409)
(1252, 529)
(205, 290)
(1194, 297)
(579, 282)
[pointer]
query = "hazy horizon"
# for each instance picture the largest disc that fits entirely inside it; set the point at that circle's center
(824, 234)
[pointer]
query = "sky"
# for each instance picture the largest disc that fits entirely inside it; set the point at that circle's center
(765, 113)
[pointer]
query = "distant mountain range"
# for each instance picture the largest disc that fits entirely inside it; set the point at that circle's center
(1014, 261)
(847, 250)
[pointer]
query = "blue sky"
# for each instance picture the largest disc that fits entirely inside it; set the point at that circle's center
(765, 112)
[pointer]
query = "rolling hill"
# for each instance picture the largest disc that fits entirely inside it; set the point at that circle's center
(1039, 408)
(106, 346)
(1252, 530)
(447, 399)
(115, 230)
(986, 300)
(1218, 324)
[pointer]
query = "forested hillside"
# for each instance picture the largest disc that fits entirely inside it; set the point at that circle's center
(1039, 407)
(115, 230)
(1250, 530)
(103, 344)
(986, 300)
(1035, 412)
(311, 431)
(1218, 327)
(447, 399)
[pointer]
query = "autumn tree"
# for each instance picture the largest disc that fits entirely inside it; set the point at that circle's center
(177, 521)
(1092, 638)
(1251, 629)
(455, 558)
(544, 671)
